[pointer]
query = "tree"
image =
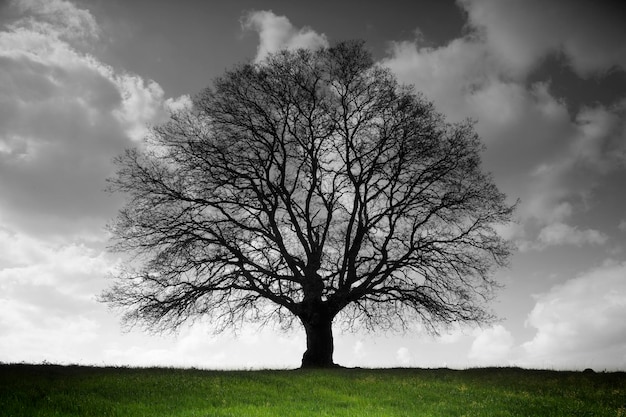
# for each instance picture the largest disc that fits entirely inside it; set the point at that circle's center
(311, 186)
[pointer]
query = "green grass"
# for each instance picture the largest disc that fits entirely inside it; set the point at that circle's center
(48, 390)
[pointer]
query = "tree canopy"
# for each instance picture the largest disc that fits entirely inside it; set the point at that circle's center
(311, 186)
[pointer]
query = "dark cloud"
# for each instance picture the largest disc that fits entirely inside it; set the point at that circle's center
(521, 33)
(57, 142)
(63, 117)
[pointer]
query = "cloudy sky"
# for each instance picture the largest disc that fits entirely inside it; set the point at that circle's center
(546, 81)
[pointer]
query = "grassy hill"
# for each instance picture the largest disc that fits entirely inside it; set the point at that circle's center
(49, 390)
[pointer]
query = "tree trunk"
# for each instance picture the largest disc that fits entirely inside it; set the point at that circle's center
(319, 342)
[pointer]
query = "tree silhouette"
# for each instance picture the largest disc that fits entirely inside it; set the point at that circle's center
(311, 186)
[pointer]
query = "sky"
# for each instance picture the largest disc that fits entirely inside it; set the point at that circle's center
(545, 81)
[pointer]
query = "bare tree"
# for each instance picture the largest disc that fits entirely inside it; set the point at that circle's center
(310, 186)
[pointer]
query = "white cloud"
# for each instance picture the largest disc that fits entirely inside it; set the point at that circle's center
(563, 234)
(359, 349)
(492, 345)
(404, 357)
(47, 299)
(142, 103)
(48, 311)
(34, 336)
(446, 75)
(277, 32)
(57, 18)
(72, 269)
(622, 225)
(177, 104)
(196, 347)
(581, 321)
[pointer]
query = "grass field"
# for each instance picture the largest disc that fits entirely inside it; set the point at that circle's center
(48, 390)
